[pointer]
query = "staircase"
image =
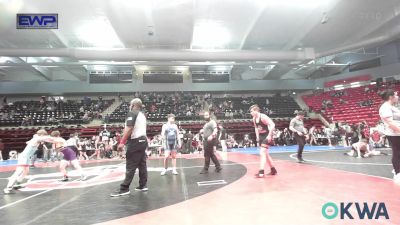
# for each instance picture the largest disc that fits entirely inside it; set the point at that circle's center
(109, 110)
(299, 100)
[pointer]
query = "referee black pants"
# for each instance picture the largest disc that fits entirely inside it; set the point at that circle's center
(135, 158)
(209, 155)
(395, 143)
(301, 141)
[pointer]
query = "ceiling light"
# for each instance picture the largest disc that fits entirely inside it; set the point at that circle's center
(295, 3)
(12, 5)
(5, 59)
(210, 34)
(99, 33)
(100, 67)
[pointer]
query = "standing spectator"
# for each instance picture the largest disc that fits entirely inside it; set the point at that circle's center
(287, 137)
(313, 139)
(1, 149)
(329, 134)
(222, 137)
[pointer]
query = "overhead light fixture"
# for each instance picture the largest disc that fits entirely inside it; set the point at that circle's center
(50, 59)
(219, 68)
(99, 33)
(100, 67)
(12, 5)
(209, 35)
(5, 59)
(295, 3)
(142, 67)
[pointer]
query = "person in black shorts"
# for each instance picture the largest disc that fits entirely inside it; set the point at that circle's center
(264, 128)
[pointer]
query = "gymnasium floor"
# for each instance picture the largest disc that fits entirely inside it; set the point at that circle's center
(233, 196)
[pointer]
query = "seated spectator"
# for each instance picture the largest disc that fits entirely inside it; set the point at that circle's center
(376, 139)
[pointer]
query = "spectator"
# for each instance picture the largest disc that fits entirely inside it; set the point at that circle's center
(376, 139)
(1, 149)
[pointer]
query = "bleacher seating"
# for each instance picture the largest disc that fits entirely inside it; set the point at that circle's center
(349, 110)
(63, 112)
(239, 123)
(278, 107)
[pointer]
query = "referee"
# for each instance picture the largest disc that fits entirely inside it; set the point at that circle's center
(210, 130)
(299, 133)
(134, 137)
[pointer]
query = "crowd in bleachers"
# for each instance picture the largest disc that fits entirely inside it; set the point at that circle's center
(51, 111)
(188, 106)
(231, 111)
(351, 105)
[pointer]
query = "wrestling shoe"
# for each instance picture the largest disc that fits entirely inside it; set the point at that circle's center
(260, 174)
(139, 188)
(119, 193)
(300, 160)
(64, 179)
(273, 171)
(18, 185)
(8, 191)
(203, 171)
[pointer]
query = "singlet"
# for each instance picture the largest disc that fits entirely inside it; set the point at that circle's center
(261, 127)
